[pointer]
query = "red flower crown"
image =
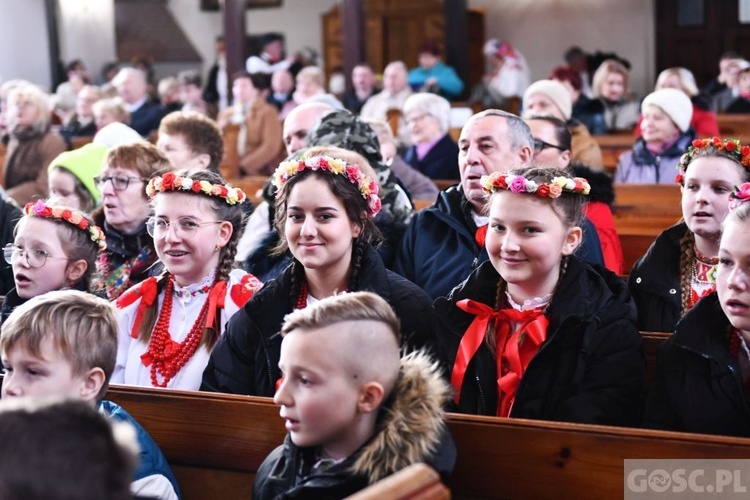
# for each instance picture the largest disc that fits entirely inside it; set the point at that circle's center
(69, 215)
(497, 181)
(173, 182)
(731, 147)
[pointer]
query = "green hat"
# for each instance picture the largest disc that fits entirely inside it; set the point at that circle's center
(84, 163)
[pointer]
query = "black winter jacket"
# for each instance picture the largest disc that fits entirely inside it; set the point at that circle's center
(654, 282)
(589, 370)
(245, 359)
(698, 386)
(410, 429)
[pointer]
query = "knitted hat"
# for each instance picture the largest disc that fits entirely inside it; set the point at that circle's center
(84, 163)
(117, 134)
(554, 91)
(675, 103)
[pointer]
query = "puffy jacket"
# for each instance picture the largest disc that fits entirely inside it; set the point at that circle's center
(590, 369)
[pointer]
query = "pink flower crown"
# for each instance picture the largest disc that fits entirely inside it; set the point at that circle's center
(497, 181)
(731, 147)
(740, 195)
(69, 215)
(367, 187)
(173, 182)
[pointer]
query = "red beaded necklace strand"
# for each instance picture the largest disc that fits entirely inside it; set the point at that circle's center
(167, 356)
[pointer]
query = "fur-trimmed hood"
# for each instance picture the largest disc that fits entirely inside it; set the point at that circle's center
(601, 181)
(410, 429)
(411, 426)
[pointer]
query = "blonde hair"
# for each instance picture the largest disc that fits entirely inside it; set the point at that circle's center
(113, 106)
(312, 74)
(607, 67)
(38, 99)
(83, 327)
(687, 80)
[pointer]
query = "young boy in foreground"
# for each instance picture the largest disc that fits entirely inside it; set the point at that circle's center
(64, 343)
(355, 411)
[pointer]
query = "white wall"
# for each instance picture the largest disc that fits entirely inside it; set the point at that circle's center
(23, 38)
(543, 29)
(87, 32)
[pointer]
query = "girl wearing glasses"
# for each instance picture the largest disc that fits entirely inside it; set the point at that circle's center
(130, 255)
(169, 324)
(55, 247)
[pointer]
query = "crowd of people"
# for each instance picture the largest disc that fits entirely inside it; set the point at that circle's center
(132, 260)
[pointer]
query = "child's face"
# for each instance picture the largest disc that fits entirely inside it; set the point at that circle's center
(39, 236)
(657, 127)
(62, 185)
(317, 228)
(733, 274)
(177, 150)
(705, 195)
(49, 374)
(526, 241)
(189, 257)
(318, 396)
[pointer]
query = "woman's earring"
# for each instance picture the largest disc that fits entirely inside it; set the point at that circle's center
(217, 248)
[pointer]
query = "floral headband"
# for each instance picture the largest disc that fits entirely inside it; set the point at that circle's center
(519, 184)
(69, 215)
(731, 147)
(740, 195)
(173, 182)
(367, 187)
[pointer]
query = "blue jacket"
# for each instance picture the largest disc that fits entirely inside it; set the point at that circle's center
(448, 81)
(440, 162)
(151, 461)
(438, 250)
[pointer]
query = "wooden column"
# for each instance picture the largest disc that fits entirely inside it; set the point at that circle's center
(352, 15)
(233, 19)
(457, 39)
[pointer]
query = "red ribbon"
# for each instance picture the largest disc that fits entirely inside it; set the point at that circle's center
(215, 301)
(148, 291)
(481, 235)
(515, 349)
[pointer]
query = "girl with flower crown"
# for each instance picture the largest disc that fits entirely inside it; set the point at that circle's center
(55, 247)
(535, 332)
(169, 324)
(703, 370)
(679, 268)
(324, 211)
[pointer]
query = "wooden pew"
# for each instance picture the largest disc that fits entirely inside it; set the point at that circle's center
(612, 147)
(418, 481)
(734, 126)
(651, 343)
(230, 164)
(216, 442)
(251, 185)
(80, 141)
(3, 153)
(641, 213)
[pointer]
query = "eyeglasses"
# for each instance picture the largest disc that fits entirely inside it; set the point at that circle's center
(185, 228)
(415, 119)
(119, 183)
(540, 145)
(35, 257)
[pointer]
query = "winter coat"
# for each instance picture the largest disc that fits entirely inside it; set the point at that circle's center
(590, 369)
(654, 282)
(440, 162)
(698, 385)
(262, 137)
(448, 82)
(620, 115)
(9, 217)
(584, 148)
(245, 359)
(410, 429)
(439, 249)
(640, 166)
(146, 119)
(598, 209)
(26, 164)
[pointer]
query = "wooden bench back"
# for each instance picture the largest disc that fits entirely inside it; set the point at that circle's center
(734, 126)
(216, 442)
(612, 146)
(651, 343)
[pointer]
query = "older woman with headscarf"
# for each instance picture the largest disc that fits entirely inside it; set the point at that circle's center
(33, 145)
(433, 152)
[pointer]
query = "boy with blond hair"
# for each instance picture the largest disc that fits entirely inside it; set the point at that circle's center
(64, 343)
(355, 410)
